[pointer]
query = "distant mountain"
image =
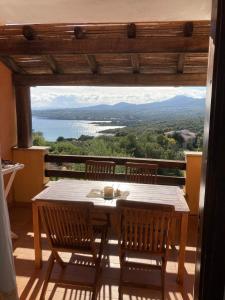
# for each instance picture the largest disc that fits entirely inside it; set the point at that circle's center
(178, 102)
(175, 107)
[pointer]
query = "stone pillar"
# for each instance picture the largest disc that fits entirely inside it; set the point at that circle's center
(193, 176)
(30, 180)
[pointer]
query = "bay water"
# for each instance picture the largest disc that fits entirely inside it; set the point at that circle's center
(52, 129)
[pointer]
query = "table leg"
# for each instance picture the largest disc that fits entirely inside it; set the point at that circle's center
(173, 232)
(183, 241)
(9, 184)
(14, 236)
(37, 237)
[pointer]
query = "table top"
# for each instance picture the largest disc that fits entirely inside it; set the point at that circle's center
(87, 190)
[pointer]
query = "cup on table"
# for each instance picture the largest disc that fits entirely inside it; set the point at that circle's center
(108, 192)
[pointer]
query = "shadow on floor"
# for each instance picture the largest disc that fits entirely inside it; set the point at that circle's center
(30, 280)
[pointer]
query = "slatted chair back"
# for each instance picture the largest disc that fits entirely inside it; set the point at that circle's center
(68, 225)
(141, 172)
(99, 170)
(145, 227)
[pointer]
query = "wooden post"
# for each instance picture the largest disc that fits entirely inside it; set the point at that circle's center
(211, 257)
(24, 121)
(193, 176)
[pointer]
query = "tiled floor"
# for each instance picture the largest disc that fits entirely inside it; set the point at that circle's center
(30, 280)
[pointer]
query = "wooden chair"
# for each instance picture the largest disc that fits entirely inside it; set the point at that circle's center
(144, 229)
(69, 228)
(141, 172)
(99, 170)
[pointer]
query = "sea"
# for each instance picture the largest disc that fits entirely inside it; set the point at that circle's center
(52, 129)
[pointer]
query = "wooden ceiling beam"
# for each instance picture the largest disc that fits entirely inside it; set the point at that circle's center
(135, 63)
(79, 32)
(29, 33)
(106, 45)
(188, 29)
(55, 68)
(12, 65)
(112, 79)
(92, 63)
(180, 63)
(131, 31)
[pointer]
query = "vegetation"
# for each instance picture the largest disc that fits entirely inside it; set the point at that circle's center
(147, 140)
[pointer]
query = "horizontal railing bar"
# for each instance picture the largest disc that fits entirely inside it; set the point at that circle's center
(166, 180)
(170, 164)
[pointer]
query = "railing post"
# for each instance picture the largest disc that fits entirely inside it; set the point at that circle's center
(193, 176)
(31, 180)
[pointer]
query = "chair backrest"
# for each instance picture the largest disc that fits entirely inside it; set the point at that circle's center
(141, 172)
(67, 224)
(144, 227)
(99, 170)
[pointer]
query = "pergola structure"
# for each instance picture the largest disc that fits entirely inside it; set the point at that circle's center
(119, 54)
(140, 54)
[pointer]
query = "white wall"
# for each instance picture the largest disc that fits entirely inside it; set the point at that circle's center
(59, 11)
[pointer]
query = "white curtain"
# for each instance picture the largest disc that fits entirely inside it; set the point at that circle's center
(8, 289)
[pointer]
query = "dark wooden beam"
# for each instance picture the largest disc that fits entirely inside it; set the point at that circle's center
(79, 32)
(24, 120)
(131, 31)
(12, 65)
(180, 63)
(188, 29)
(92, 63)
(113, 79)
(211, 258)
(115, 45)
(81, 159)
(56, 69)
(29, 33)
(135, 63)
(164, 180)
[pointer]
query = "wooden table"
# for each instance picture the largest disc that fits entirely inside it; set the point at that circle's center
(79, 190)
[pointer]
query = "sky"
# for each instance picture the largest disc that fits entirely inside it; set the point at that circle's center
(71, 97)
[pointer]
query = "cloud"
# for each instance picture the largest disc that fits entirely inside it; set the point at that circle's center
(59, 97)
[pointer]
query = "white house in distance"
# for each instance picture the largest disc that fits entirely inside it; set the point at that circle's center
(185, 134)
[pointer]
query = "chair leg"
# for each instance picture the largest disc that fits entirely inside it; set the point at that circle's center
(173, 233)
(96, 280)
(94, 294)
(59, 260)
(122, 257)
(48, 274)
(95, 288)
(120, 283)
(163, 271)
(120, 293)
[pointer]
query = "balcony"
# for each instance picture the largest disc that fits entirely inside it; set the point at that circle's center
(40, 166)
(153, 58)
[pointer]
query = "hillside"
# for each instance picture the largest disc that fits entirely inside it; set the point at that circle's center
(177, 107)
